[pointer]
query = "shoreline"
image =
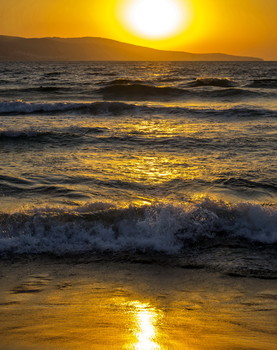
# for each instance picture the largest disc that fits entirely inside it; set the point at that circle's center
(65, 304)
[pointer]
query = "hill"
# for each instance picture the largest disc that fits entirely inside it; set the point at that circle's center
(95, 49)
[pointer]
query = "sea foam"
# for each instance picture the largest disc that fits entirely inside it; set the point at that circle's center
(161, 228)
(119, 108)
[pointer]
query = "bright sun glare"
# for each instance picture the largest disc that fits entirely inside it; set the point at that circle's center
(155, 19)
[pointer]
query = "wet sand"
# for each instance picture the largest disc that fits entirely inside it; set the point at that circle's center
(48, 304)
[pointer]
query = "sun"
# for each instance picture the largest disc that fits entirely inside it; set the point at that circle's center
(155, 19)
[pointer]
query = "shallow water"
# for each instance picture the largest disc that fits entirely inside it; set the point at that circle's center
(65, 304)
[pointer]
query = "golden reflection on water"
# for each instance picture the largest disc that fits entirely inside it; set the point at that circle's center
(146, 332)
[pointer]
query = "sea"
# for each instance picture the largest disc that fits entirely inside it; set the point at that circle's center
(156, 162)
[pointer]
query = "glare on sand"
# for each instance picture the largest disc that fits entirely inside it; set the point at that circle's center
(146, 332)
(108, 306)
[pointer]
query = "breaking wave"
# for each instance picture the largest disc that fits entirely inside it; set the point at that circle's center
(148, 92)
(161, 228)
(117, 108)
(139, 90)
(19, 107)
(219, 82)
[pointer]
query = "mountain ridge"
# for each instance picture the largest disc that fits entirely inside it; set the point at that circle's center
(13, 48)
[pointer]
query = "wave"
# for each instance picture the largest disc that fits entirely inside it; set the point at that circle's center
(118, 108)
(247, 184)
(230, 183)
(33, 133)
(231, 93)
(71, 136)
(62, 186)
(52, 74)
(148, 92)
(40, 89)
(19, 107)
(122, 81)
(263, 83)
(46, 190)
(218, 82)
(237, 111)
(139, 90)
(65, 137)
(169, 229)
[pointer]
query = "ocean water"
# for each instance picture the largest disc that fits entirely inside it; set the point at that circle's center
(141, 160)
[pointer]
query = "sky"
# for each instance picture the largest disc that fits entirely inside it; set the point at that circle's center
(239, 27)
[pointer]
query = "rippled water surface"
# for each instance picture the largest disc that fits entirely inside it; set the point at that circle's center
(191, 147)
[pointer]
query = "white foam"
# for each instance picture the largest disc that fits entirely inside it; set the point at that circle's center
(162, 228)
(111, 108)
(20, 107)
(28, 107)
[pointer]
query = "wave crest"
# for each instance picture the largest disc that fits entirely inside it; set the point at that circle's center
(19, 107)
(160, 228)
(139, 91)
(148, 92)
(218, 82)
(119, 108)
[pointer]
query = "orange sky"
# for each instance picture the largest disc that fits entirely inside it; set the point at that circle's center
(240, 27)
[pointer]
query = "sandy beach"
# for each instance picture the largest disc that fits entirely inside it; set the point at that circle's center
(67, 304)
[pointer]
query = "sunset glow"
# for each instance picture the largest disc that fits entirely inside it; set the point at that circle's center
(155, 18)
(245, 28)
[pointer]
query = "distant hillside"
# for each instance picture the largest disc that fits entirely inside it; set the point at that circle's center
(95, 49)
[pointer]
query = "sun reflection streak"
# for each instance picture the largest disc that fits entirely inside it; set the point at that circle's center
(146, 332)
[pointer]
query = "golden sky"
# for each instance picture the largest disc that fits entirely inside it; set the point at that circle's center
(239, 27)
